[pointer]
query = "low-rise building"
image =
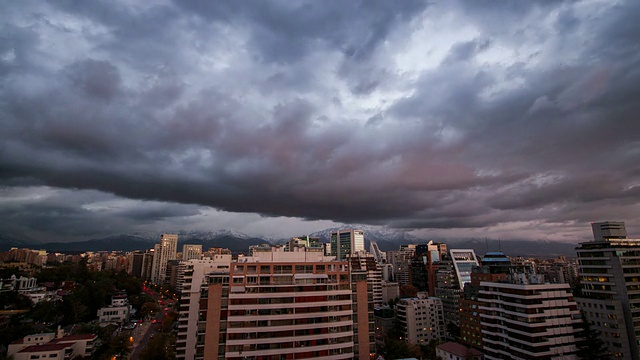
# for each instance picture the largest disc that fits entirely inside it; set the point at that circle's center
(53, 346)
(454, 351)
(85, 344)
(21, 284)
(46, 351)
(33, 339)
(118, 311)
(422, 318)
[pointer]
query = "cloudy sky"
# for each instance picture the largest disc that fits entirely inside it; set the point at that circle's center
(509, 119)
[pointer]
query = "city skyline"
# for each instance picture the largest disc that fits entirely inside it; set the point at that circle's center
(445, 119)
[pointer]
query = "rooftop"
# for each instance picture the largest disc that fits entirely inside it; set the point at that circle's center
(74, 338)
(458, 349)
(45, 347)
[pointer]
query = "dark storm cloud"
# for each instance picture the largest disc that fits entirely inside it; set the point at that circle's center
(411, 114)
(97, 79)
(66, 214)
(284, 32)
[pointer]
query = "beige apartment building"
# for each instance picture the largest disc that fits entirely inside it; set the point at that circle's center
(287, 305)
(163, 252)
(191, 275)
(422, 318)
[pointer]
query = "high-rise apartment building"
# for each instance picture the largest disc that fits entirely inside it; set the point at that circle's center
(528, 321)
(463, 262)
(191, 275)
(452, 275)
(367, 262)
(346, 242)
(163, 252)
(495, 268)
(147, 264)
(288, 305)
(424, 265)
(608, 230)
(422, 318)
(609, 270)
(300, 241)
(401, 261)
(135, 262)
(190, 252)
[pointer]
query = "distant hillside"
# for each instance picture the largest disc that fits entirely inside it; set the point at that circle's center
(526, 248)
(9, 240)
(111, 243)
(235, 242)
(387, 239)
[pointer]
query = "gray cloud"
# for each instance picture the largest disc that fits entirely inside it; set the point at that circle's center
(485, 117)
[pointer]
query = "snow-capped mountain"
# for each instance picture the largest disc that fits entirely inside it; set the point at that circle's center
(371, 233)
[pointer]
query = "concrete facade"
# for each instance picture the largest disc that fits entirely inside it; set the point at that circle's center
(298, 305)
(163, 252)
(609, 270)
(528, 321)
(422, 318)
(191, 275)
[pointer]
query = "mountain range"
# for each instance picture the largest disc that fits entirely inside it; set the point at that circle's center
(239, 243)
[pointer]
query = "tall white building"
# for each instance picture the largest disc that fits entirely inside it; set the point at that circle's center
(163, 252)
(422, 318)
(191, 274)
(191, 252)
(528, 321)
(609, 270)
(346, 242)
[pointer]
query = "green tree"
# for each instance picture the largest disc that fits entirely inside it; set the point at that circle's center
(408, 291)
(5, 357)
(429, 351)
(159, 348)
(119, 346)
(14, 301)
(591, 346)
(453, 330)
(169, 319)
(45, 311)
(398, 349)
(148, 308)
(15, 331)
